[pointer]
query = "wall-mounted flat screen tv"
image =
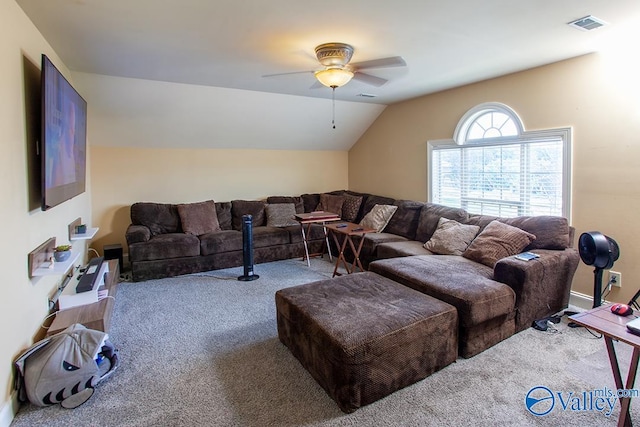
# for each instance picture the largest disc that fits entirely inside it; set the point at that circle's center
(63, 138)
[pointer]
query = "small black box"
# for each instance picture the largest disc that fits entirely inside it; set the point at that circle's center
(113, 252)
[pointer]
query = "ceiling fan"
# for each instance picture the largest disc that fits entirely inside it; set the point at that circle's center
(338, 71)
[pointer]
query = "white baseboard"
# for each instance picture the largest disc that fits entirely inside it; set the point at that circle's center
(581, 300)
(9, 410)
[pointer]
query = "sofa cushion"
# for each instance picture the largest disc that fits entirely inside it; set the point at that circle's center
(480, 220)
(223, 211)
(228, 241)
(552, 232)
(198, 218)
(351, 207)
(165, 246)
(310, 201)
(451, 237)
(404, 221)
(159, 218)
(280, 214)
(431, 214)
(463, 283)
(379, 217)
(372, 240)
(255, 208)
(403, 248)
(330, 203)
(496, 241)
(221, 241)
(269, 236)
(297, 201)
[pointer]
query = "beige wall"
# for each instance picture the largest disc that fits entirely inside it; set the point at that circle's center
(122, 176)
(595, 94)
(23, 304)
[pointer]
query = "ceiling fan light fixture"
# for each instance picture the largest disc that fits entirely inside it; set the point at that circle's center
(334, 77)
(334, 54)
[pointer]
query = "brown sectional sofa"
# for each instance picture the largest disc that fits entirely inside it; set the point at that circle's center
(158, 246)
(493, 301)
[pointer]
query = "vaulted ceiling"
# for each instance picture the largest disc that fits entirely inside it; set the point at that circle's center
(231, 44)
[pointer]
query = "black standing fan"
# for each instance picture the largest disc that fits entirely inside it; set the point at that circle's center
(247, 249)
(600, 251)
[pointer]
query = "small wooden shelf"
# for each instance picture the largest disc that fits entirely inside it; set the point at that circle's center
(58, 268)
(84, 236)
(96, 315)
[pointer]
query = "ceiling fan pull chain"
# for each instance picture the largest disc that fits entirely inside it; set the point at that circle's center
(333, 100)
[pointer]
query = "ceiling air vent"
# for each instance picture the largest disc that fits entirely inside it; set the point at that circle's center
(367, 95)
(587, 23)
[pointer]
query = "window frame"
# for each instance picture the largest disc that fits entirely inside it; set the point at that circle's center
(523, 137)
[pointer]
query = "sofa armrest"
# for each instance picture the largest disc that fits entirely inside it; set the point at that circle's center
(542, 285)
(137, 234)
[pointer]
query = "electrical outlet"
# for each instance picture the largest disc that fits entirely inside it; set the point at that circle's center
(615, 278)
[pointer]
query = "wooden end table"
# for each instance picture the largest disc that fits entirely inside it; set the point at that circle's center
(316, 217)
(613, 327)
(347, 230)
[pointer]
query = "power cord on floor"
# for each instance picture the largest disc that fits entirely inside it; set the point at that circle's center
(547, 324)
(574, 325)
(216, 277)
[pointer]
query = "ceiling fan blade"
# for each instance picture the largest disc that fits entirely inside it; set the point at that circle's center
(369, 79)
(286, 74)
(392, 61)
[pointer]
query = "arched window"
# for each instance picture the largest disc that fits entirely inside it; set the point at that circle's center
(493, 166)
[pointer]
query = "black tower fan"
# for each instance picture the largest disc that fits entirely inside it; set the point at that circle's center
(247, 249)
(600, 251)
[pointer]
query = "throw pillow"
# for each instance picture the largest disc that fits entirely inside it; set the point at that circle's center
(351, 207)
(296, 200)
(378, 217)
(199, 218)
(330, 203)
(497, 240)
(281, 214)
(451, 237)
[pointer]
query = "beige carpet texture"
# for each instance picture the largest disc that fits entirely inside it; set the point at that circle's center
(202, 350)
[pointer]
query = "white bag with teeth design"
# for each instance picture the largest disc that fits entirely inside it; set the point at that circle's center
(65, 367)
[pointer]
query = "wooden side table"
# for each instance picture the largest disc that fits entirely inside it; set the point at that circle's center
(613, 327)
(316, 217)
(347, 230)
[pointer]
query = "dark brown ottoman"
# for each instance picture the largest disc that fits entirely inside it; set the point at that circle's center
(363, 336)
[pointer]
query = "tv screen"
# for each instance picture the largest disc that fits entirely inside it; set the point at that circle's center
(63, 138)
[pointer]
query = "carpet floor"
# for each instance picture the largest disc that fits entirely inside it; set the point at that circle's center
(202, 350)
